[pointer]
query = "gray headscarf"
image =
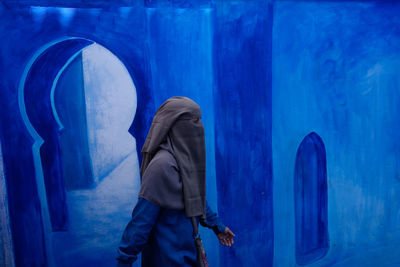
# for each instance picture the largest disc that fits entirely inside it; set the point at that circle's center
(176, 130)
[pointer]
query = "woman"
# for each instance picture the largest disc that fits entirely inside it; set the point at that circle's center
(172, 193)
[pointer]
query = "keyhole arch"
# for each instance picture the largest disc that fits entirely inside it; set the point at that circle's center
(37, 108)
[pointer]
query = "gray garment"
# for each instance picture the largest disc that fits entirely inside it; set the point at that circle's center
(161, 183)
(180, 119)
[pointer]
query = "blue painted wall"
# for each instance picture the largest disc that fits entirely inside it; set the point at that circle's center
(6, 244)
(336, 72)
(243, 129)
(70, 105)
(265, 74)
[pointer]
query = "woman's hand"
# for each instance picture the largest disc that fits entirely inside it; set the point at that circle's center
(226, 237)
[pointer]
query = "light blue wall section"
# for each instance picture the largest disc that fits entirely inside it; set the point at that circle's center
(110, 109)
(336, 71)
(98, 214)
(180, 48)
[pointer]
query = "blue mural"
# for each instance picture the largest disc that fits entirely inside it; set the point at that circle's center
(80, 83)
(97, 145)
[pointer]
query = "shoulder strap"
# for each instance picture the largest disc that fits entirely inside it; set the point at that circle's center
(201, 254)
(195, 228)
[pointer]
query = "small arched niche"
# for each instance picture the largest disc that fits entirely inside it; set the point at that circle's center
(310, 196)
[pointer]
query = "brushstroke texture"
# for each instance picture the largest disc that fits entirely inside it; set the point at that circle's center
(242, 97)
(336, 72)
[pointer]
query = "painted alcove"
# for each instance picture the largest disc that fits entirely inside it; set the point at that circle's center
(311, 200)
(79, 221)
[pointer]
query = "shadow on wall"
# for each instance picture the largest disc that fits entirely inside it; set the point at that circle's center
(80, 102)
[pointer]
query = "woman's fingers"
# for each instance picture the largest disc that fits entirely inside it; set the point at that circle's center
(223, 242)
(230, 232)
(226, 238)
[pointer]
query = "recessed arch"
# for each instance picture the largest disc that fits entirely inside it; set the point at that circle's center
(43, 123)
(36, 110)
(310, 195)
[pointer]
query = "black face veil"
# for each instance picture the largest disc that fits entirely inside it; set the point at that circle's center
(179, 119)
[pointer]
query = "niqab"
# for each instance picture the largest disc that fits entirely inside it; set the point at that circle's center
(176, 129)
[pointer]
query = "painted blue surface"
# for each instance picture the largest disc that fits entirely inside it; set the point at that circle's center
(110, 99)
(265, 75)
(37, 89)
(22, 26)
(6, 244)
(243, 129)
(311, 200)
(336, 72)
(71, 107)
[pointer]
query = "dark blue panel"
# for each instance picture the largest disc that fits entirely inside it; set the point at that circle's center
(38, 106)
(71, 108)
(311, 211)
(243, 129)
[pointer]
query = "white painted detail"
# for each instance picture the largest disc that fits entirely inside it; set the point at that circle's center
(111, 105)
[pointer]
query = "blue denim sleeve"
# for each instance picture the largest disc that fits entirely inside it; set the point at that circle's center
(136, 233)
(212, 221)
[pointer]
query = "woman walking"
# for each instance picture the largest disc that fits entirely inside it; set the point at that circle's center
(172, 197)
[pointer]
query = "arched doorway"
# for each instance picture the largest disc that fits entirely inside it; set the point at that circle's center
(310, 195)
(84, 214)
